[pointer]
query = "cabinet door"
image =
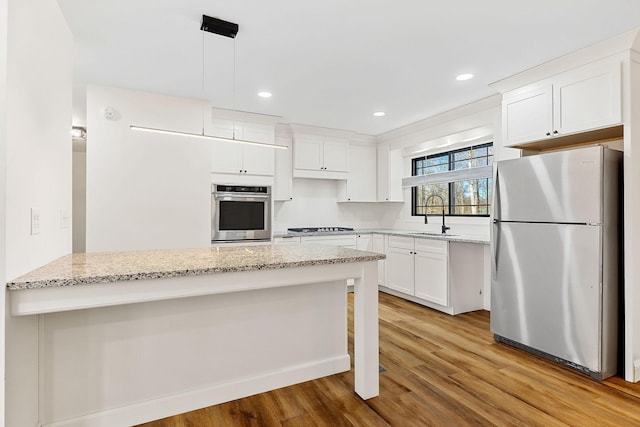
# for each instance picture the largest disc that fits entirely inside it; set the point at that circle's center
(226, 157)
(389, 174)
(335, 155)
(378, 247)
(307, 153)
(431, 277)
(364, 242)
(587, 98)
(258, 160)
(400, 263)
(361, 182)
(282, 181)
(527, 115)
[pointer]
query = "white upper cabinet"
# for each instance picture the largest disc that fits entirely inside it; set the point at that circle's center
(309, 153)
(587, 98)
(389, 174)
(528, 115)
(238, 158)
(282, 179)
(320, 157)
(580, 100)
(360, 185)
(335, 155)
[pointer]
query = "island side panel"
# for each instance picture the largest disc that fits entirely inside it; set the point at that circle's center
(366, 348)
(138, 362)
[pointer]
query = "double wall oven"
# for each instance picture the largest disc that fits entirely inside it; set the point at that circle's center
(240, 212)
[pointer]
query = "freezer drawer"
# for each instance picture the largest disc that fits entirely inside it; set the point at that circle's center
(564, 187)
(547, 289)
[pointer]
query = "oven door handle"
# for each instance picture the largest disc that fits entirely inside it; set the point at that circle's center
(235, 196)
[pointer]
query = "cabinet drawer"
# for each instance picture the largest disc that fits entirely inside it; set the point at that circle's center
(432, 245)
(286, 240)
(401, 242)
(341, 241)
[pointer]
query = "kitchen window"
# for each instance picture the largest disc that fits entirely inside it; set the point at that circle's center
(461, 198)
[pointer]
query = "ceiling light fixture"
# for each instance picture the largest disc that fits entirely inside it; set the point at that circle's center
(463, 77)
(265, 94)
(379, 113)
(203, 136)
(226, 29)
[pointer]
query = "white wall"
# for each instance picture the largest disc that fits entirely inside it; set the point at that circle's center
(38, 171)
(38, 140)
(145, 190)
(315, 204)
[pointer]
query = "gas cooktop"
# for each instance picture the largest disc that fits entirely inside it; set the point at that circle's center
(318, 229)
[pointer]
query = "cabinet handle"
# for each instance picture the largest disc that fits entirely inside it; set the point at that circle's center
(548, 133)
(555, 132)
(245, 171)
(240, 171)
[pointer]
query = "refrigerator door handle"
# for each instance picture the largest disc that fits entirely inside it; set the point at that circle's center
(495, 243)
(496, 193)
(495, 230)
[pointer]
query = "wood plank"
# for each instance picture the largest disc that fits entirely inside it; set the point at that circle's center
(440, 370)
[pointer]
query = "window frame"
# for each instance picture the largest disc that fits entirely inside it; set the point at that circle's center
(451, 198)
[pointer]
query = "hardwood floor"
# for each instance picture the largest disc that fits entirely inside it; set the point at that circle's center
(441, 370)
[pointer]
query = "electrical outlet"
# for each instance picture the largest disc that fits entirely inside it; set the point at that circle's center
(35, 221)
(64, 219)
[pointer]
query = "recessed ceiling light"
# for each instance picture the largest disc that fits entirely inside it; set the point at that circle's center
(462, 77)
(379, 113)
(264, 94)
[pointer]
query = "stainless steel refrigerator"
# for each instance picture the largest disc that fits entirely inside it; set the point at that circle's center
(556, 246)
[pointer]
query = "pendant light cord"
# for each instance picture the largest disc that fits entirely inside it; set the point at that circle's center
(234, 86)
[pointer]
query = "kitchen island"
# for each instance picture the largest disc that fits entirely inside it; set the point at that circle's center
(120, 338)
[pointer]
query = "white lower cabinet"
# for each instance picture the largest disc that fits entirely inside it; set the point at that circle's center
(348, 241)
(364, 242)
(431, 271)
(377, 245)
(400, 265)
(443, 275)
(286, 240)
(373, 243)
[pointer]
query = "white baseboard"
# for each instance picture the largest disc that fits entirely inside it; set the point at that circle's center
(166, 406)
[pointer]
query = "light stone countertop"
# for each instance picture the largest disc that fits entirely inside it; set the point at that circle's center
(453, 237)
(107, 267)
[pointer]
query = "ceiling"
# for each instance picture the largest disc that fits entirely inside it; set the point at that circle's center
(330, 63)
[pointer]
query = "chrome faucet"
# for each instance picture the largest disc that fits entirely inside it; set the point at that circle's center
(426, 205)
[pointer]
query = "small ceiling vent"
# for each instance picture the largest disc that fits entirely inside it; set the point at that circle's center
(218, 26)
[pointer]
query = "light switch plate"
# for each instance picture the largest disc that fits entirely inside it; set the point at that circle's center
(35, 221)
